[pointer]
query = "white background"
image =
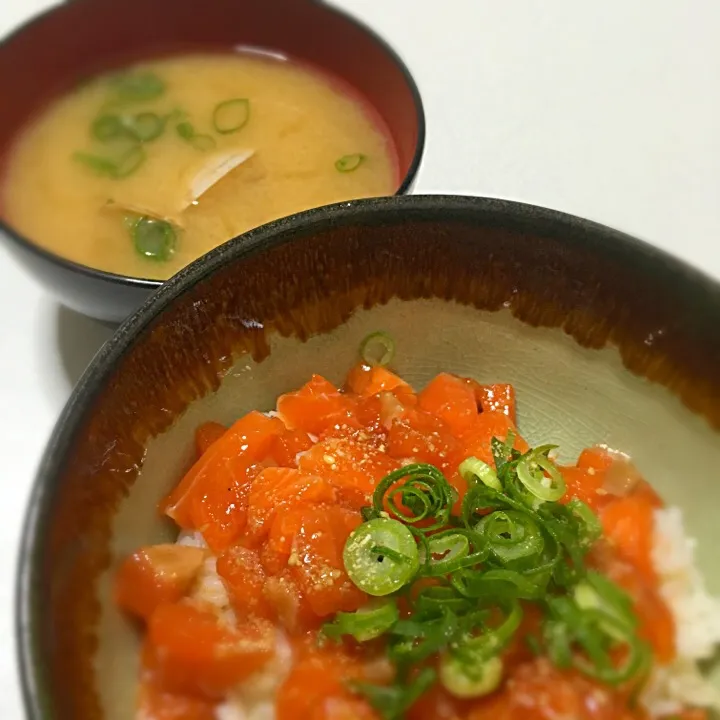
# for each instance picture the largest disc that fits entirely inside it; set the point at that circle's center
(604, 109)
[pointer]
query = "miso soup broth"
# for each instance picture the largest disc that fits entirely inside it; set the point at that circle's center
(142, 171)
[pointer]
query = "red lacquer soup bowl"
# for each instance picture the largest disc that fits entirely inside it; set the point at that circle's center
(60, 48)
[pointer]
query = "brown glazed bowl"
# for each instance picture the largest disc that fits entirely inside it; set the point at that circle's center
(606, 339)
(55, 51)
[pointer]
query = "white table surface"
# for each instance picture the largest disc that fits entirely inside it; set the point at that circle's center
(609, 110)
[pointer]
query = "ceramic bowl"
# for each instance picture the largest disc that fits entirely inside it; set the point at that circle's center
(55, 51)
(605, 339)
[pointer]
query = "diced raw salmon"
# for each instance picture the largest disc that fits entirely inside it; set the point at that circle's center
(354, 468)
(478, 439)
(438, 704)
(290, 604)
(452, 400)
(499, 397)
(316, 680)
(424, 437)
(220, 513)
(596, 457)
(344, 708)
(366, 380)
(244, 579)
(585, 484)
(154, 575)
(316, 406)
(394, 405)
(539, 691)
(286, 524)
(195, 654)
(276, 486)
(628, 524)
(225, 463)
(286, 447)
(156, 704)
(316, 561)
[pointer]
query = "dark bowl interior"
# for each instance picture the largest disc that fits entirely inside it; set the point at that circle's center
(55, 51)
(606, 339)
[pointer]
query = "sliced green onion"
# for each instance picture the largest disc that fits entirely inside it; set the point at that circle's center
(595, 633)
(367, 623)
(503, 451)
(414, 640)
(128, 163)
(154, 239)
(532, 469)
(425, 497)
(466, 681)
(146, 126)
(97, 163)
(231, 115)
(436, 598)
(498, 583)
(349, 163)
(392, 701)
(511, 542)
(136, 86)
(202, 142)
(511, 535)
(587, 598)
(451, 550)
(117, 168)
(489, 644)
(607, 597)
(592, 527)
(377, 348)
(107, 127)
(472, 468)
(378, 573)
(185, 130)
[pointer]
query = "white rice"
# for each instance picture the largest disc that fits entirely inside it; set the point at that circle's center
(697, 622)
(254, 699)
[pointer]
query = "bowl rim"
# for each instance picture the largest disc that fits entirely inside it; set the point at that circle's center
(34, 685)
(148, 283)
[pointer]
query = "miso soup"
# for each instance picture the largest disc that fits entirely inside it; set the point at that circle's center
(139, 172)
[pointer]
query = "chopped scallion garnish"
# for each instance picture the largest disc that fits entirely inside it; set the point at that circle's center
(368, 623)
(131, 87)
(468, 680)
(129, 162)
(154, 239)
(349, 163)
(540, 476)
(511, 542)
(202, 142)
(381, 556)
(186, 131)
(230, 116)
(392, 701)
(146, 126)
(107, 127)
(377, 348)
(116, 168)
(473, 469)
